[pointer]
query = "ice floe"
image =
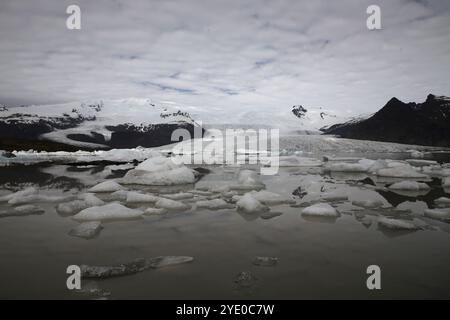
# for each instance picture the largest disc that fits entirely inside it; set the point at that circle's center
(271, 198)
(397, 224)
(446, 182)
(265, 261)
(442, 201)
(214, 204)
(401, 171)
(136, 197)
(409, 186)
(368, 203)
(87, 230)
(24, 210)
(133, 267)
(320, 210)
(160, 170)
(110, 211)
(154, 211)
(248, 204)
(171, 204)
(438, 214)
(106, 186)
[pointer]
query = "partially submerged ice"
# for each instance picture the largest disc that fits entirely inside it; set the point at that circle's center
(135, 266)
(106, 186)
(87, 230)
(409, 186)
(265, 261)
(438, 214)
(248, 204)
(110, 211)
(320, 210)
(397, 224)
(159, 171)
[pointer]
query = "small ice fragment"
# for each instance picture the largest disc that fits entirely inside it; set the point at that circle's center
(446, 182)
(171, 204)
(136, 197)
(111, 211)
(106, 186)
(409, 186)
(87, 230)
(154, 211)
(321, 210)
(376, 203)
(438, 214)
(178, 196)
(397, 224)
(249, 204)
(245, 279)
(442, 201)
(215, 204)
(165, 261)
(265, 261)
(269, 215)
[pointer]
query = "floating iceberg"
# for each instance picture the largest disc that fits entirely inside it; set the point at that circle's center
(265, 261)
(106, 186)
(409, 186)
(368, 203)
(443, 201)
(400, 171)
(438, 214)
(446, 182)
(24, 210)
(397, 224)
(215, 204)
(320, 210)
(271, 198)
(111, 211)
(154, 211)
(171, 204)
(248, 204)
(87, 230)
(136, 197)
(159, 170)
(135, 266)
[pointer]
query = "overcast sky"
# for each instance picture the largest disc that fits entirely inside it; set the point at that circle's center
(228, 55)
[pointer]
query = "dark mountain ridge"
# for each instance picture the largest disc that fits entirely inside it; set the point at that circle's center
(426, 123)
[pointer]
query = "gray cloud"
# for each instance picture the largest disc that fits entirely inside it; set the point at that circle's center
(232, 56)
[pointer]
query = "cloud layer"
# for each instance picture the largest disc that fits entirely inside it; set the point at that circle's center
(230, 57)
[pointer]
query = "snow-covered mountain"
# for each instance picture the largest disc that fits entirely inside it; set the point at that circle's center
(133, 122)
(99, 124)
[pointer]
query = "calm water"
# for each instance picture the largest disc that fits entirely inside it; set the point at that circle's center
(317, 258)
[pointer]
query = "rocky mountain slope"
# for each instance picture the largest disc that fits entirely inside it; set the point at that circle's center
(426, 123)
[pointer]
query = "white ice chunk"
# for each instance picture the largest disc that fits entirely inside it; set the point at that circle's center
(178, 196)
(106, 186)
(368, 203)
(247, 203)
(397, 224)
(87, 230)
(182, 175)
(442, 201)
(111, 211)
(409, 185)
(320, 210)
(214, 204)
(438, 214)
(446, 182)
(136, 197)
(154, 211)
(271, 198)
(171, 204)
(400, 171)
